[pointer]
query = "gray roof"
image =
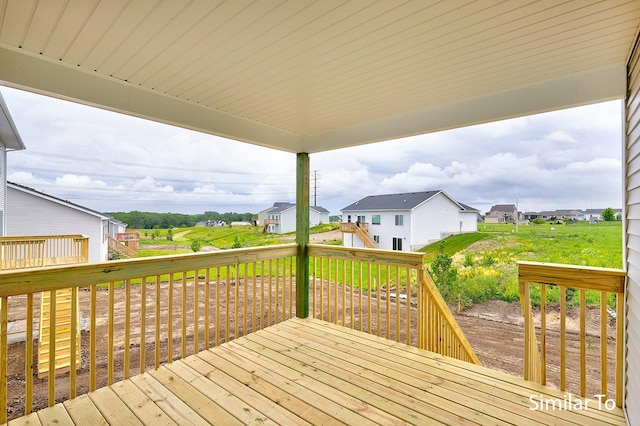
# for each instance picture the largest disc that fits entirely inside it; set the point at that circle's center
(280, 206)
(403, 201)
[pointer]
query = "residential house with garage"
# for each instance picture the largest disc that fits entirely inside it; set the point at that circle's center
(281, 217)
(406, 221)
(502, 213)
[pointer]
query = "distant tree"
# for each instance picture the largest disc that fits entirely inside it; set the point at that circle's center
(608, 214)
(170, 235)
(195, 246)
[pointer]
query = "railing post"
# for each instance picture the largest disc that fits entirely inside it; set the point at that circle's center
(302, 235)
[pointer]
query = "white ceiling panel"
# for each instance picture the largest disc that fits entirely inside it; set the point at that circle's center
(304, 75)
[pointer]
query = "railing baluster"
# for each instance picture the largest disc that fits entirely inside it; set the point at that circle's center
(543, 334)
(73, 342)
(245, 292)
(4, 321)
(603, 344)
(127, 327)
(583, 342)
(563, 338)
(228, 308)
(143, 324)
(196, 311)
(619, 347)
(170, 319)
(207, 302)
(110, 331)
(183, 315)
(408, 305)
(352, 287)
(51, 379)
(344, 292)
(156, 357)
(92, 341)
(28, 362)
(277, 294)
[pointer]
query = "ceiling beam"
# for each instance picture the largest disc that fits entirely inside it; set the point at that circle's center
(38, 74)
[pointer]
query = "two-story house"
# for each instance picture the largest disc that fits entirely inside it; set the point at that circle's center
(406, 221)
(281, 217)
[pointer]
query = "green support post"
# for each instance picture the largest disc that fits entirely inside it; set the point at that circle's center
(302, 234)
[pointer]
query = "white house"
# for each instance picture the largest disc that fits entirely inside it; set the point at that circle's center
(406, 221)
(281, 217)
(31, 212)
(9, 141)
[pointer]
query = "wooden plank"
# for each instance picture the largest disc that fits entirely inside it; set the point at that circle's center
(581, 277)
(493, 383)
(220, 396)
(112, 408)
(191, 396)
(30, 420)
(377, 407)
(260, 403)
(331, 401)
(140, 404)
(55, 415)
(173, 406)
(257, 376)
(376, 372)
(83, 411)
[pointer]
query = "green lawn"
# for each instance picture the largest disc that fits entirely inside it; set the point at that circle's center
(486, 268)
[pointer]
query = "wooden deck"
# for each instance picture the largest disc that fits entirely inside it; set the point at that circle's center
(312, 372)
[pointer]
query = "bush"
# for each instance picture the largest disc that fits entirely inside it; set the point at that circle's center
(538, 221)
(196, 246)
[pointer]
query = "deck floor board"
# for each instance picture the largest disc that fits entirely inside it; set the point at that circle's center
(306, 371)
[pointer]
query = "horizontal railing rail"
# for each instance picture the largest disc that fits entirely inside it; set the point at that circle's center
(35, 251)
(568, 283)
(386, 293)
(146, 311)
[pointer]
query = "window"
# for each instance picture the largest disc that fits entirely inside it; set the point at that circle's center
(376, 238)
(375, 219)
(399, 220)
(397, 243)
(361, 219)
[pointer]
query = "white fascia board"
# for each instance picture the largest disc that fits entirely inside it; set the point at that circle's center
(38, 74)
(597, 85)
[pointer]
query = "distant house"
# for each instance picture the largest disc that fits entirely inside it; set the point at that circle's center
(281, 217)
(502, 213)
(31, 212)
(9, 141)
(575, 214)
(406, 221)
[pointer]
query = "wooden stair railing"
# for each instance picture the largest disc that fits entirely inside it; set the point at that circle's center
(438, 330)
(365, 237)
(121, 249)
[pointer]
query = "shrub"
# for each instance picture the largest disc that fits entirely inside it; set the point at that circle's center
(196, 246)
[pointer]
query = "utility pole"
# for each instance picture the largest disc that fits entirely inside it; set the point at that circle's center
(315, 187)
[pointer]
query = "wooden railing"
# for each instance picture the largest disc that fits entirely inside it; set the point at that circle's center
(361, 229)
(121, 249)
(34, 251)
(386, 293)
(141, 313)
(574, 283)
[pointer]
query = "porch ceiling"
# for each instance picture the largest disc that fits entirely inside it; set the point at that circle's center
(309, 76)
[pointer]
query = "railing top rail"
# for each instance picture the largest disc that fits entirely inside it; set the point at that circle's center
(42, 237)
(51, 278)
(376, 256)
(588, 277)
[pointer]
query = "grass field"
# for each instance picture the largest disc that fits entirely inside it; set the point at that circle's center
(486, 263)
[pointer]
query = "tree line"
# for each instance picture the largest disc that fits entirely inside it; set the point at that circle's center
(151, 220)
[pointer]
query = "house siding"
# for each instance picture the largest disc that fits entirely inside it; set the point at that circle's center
(632, 182)
(437, 218)
(32, 215)
(3, 190)
(386, 230)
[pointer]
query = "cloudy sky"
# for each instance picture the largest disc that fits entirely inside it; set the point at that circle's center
(568, 159)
